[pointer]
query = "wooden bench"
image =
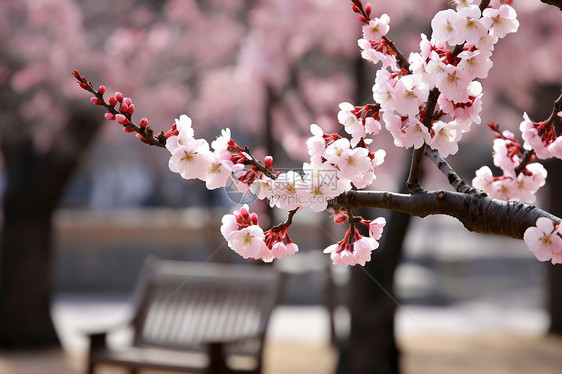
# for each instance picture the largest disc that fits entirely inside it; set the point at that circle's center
(196, 318)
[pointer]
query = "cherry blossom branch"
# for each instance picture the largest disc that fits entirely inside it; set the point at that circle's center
(413, 183)
(527, 157)
(402, 60)
(557, 108)
(454, 180)
(287, 222)
(477, 212)
(258, 165)
(146, 133)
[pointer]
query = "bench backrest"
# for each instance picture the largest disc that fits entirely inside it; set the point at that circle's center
(181, 305)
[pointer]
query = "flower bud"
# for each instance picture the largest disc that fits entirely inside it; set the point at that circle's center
(127, 101)
(112, 100)
(95, 100)
(109, 116)
(121, 119)
(254, 218)
(268, 161)
(119, 96)
(128, 129)
(340, 217)
(101, 90)
(368, 9)
(363, 19)
(143, 122)
(123, 108)
(131, 109)
(244, 213)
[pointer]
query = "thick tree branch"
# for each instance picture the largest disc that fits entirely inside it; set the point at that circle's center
(477, 212)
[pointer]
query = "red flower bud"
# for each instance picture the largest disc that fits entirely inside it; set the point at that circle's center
(119, 96)
(128, 129)
(127, 101)
(95, 100)
(101, 90)
(244, 212)
(110, 116)
(268, 161)
(368, 9)
(139, 136)
(121, 119)
(124, 107)
(143, 122)
(254, 218)
(363, 19)
(131, 109)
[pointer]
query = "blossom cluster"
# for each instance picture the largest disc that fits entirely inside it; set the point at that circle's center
(403, 90)
(247, 238)
(541, 138)
(514, 184)
(545, 240)
(355, 248)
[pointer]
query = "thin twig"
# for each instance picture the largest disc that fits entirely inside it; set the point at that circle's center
(413, 183)
(402, 60)
(454, 180)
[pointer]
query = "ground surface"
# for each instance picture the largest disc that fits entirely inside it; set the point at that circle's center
(495, 353)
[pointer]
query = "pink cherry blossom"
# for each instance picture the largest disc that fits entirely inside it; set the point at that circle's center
(376, 227)
(445, 137)
(285, 192)
(383, 89)
(476, 63)
(186, 134)
(454, 84)
(409, 94)
(352, 125)
(247, 242)
(376, 28)
(500, 21)
(442, 26)
(352, 250)
(484, 179)
(192, 160)
(544, 240)
(469, 28)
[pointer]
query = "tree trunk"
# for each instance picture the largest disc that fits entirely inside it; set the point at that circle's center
(554, 272)
(35, 181)
(25, 277)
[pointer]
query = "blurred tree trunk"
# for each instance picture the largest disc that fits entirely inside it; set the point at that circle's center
(554, 272)
(34, 183)
(543, 96)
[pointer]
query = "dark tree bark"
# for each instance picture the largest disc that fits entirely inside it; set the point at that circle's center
(554, 272)
(35, 182)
